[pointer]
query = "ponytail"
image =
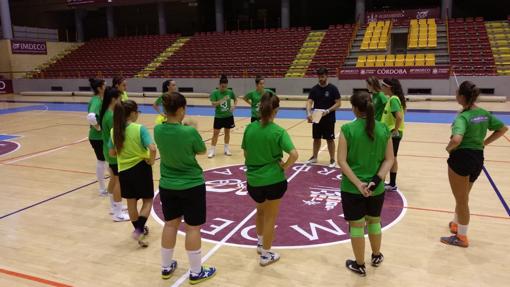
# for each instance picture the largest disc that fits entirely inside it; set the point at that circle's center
(363, 103)
(121, 113)
(268, 103)
(370, 114)
(396, 89)
(110, 94)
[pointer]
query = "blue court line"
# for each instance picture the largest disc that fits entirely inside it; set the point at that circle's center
(498, 193)
(7, 137)
(23, 109)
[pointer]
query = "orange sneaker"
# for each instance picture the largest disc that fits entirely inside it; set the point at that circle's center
(453, 227)
(456, 240)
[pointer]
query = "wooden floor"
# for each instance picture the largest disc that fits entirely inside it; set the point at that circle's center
(68, 238)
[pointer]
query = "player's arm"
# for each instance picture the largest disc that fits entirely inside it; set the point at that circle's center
(496, 135)
(293, 156)
(385, 167)
(455, 141)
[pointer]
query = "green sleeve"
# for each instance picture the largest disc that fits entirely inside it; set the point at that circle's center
(495, 123)
(159, 101)
(394, 105)
(248, 96)
(212, 97)
(459, 126)
(198, 142)
(243, 144)
(285, 142)
(145, 136)
(383, 98)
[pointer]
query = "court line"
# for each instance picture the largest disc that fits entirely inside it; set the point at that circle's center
(39, 153)
(500, 196)
(507, 138)
(33, 278)
(446, 211)
(47, 168)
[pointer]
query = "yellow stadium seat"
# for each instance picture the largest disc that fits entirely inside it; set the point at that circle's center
(422, 43)
(409, 60)
(420, 60)
(399, 60)
(382, 45)
(431, 21)
(379, 60)
(390, 61)
(432, 43)
(414, 22)
(373, 45)
(364, 46)
(413, 44)
(370, 61)
(361, 61)
(422, 21)
(430, 59)
(422, 36)
(380, 24)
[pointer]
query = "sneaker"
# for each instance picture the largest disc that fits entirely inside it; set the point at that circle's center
(259, 248)
(103, 192)
(205, 274)
(124, 209)
(227, 152)
(377, 259)
(453, 227)
(269, 258)
(166, 272)
(332, 163)
(211, 153)
(123, 216)
(356, 268)
(311, 160)
(392, 188)
(456, 240)
(140, 237)
(146, 230)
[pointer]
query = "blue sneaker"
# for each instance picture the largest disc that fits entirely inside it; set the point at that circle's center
(166, 272)
(205, 274)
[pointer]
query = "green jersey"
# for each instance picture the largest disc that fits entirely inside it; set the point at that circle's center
(473, 125)
(106, 127)
(178, 146)
(364, 155)
(223, 110)
(94, 106)
(159, 100)
(379, 100)
(264, 146)
(392, 106)
(254, 97)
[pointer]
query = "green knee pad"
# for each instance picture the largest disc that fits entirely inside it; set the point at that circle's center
(375, 228)
(357, 232)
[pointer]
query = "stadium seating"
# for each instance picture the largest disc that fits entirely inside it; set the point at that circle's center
(422, 34)
(376, 36)
(408, 60)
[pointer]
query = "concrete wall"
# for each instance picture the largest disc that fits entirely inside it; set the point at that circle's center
(282, 86)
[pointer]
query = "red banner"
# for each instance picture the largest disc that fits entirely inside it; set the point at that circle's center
(436, 72)
(29, 47)
(398, 15)
(5, 86)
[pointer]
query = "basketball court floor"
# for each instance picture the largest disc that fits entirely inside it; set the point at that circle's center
(56, 230)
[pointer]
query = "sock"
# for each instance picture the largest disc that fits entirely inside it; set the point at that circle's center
(227, 146)
(141, 222)
(455, 218)
(462, 230)
(134, 223)
(260, 237)
(393, 178)
(100, 168)
(117, 208)
(166, 257)
(195, 261)
(213, 148)
(112, 203)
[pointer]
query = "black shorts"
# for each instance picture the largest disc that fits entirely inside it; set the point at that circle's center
(396, 144)
(97, 145)
(136, 182)
(227, 123)
(356, 206)
(466, 162)
(324, 130)
(267, 192)
(189, 203)
(254, 119)
(115, 169)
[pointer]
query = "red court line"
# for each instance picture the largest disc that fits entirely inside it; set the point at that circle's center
(448, 211)
(33, 278)
(48, 168)
(508, 139)
(42, 151)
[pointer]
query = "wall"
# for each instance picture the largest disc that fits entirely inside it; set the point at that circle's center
(282, 86)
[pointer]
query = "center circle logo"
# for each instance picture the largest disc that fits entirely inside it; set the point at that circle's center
(310, 212)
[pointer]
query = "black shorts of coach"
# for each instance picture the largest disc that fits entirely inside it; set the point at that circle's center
(325, 129)
(467, 162)
(136, 182)
(356, 206)
(189, 203)
(97, 145)
(267, 192)
(227, 123)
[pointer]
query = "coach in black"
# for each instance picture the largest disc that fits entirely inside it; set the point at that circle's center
(326, 97)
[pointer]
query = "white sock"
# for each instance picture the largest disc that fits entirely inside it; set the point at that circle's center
(112, 203)
(195, 261)
(462, 230)
(166, 257)
(213, 148)
(455, 218)
(227, 146)
(100, 168)
(117, 208)
(260, 237)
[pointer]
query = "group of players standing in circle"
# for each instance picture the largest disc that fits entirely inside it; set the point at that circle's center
(367, 152)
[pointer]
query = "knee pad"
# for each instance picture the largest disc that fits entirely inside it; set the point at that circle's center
(375, 227)
(355, 231)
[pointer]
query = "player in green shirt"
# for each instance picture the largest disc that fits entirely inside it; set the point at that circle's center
(225, 101)
(95, 139)
(253, 97)
(365, 155)
(181, 188)
(394, 118)
(112, 96)
(168, 87)
(264, 143)
(136, 152)
(465, 162)
(378, 98)
(120, 84)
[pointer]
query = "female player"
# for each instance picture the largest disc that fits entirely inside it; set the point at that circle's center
(168, 87)
(264, 143)
(111, 97)
(393, 117)
(466, 156)
(222, 98)
(120, 84)
(181, 188)
(95, 137)
(135, 151)
(362, 190)
(378, 98)
(253, 97)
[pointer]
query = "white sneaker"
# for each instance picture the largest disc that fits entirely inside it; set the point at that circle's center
(103, 192)
(123, 216)
(332, 163)
(269, 258)
(124, 208)
(311, 160)
(227, 152)
(211, 153)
